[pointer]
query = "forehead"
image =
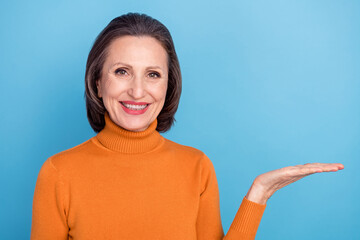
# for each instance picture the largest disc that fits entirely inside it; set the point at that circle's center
(136, 51)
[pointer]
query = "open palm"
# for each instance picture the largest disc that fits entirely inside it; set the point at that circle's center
(267, 183)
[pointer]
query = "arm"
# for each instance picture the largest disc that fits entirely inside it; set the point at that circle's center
(49, 217)
(209, 226)
(247, 219)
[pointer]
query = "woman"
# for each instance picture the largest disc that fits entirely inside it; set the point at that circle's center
(129, 182)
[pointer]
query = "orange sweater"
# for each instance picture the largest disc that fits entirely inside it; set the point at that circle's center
(133, 185)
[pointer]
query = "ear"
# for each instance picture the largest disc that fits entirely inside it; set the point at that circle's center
(98, 88)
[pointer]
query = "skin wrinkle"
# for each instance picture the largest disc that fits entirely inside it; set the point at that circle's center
(144, 78)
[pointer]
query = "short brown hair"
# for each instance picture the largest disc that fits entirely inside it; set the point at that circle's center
(133, 24)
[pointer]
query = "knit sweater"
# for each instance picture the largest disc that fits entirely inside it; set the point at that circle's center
(128, 185)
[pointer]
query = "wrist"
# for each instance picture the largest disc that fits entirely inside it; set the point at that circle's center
(258, 194)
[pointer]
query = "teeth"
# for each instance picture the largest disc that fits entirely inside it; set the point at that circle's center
(134, 107)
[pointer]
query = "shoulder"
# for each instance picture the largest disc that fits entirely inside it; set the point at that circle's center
(188, 152)
(67, 158)
(181, 148)
(190, 155)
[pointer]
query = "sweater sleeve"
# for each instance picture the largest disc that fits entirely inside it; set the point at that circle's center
(209, 226)
(49, 216)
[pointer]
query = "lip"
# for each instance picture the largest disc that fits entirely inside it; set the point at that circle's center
(134, 112)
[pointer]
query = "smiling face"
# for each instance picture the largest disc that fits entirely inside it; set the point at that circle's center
(134, 81)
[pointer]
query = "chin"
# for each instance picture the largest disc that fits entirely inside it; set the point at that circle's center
(135, 127)
(133, 123)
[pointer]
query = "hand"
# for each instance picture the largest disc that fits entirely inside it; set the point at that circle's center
(265, 185)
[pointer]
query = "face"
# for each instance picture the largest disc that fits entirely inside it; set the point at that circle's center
(134, 81)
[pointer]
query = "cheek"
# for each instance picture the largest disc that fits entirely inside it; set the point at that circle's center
(162, 95)
(162, 91)
(112, 89)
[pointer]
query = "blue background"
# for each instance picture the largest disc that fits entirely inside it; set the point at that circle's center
(266, 84)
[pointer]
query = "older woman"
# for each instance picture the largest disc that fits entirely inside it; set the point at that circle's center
(128, 181)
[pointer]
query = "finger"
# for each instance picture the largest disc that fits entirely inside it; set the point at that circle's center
(313, 169)
(331, 167)
(325, 166)
(309, 168)
(303, 171)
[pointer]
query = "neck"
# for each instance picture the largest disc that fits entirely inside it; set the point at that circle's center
(121, 140)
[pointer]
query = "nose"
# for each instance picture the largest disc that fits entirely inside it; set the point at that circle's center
(136, 88)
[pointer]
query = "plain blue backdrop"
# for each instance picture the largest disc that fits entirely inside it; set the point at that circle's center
(266, 84)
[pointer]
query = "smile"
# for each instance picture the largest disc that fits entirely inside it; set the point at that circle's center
(134, 108)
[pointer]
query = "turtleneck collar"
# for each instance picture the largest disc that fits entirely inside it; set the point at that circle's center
(121, 140)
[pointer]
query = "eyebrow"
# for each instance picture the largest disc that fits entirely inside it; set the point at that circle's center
(121, 63)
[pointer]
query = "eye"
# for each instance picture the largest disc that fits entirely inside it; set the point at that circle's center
(120, 71)
(154, 75)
